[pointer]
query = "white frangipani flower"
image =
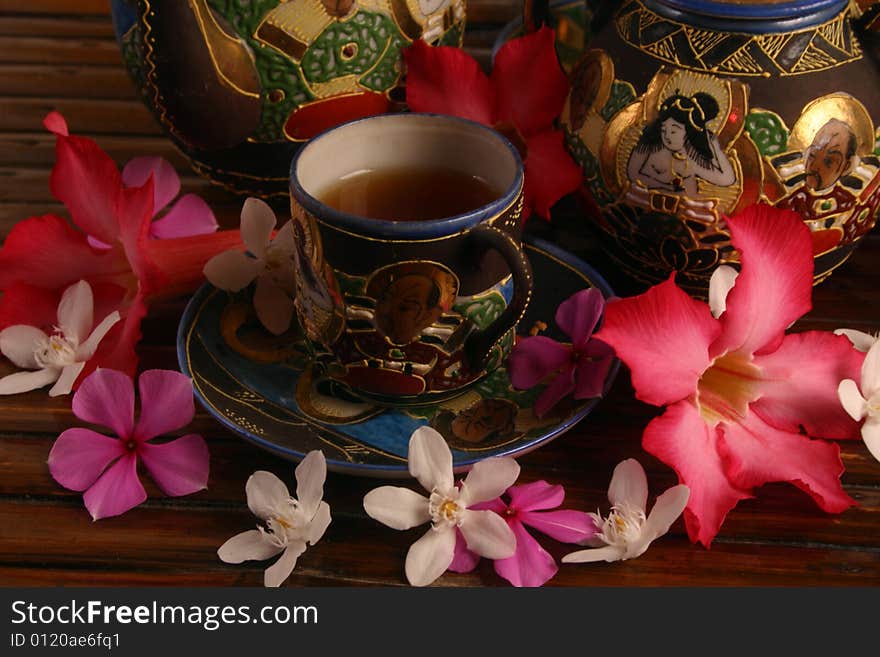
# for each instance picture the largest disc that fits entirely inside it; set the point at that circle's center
(270, 263)
(861, 341)
(291, 523)
(627, 531)
(58, 358)
(485, 532)
(863, 402)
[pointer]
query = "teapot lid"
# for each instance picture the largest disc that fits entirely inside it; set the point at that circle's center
(803, 12)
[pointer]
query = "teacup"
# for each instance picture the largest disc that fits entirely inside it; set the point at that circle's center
(408, 312)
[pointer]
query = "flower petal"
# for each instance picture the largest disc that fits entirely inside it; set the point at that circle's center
(88, 348)
(564, 525)
(629, 485)
(560, 387)
(528, 82)
(608, 553)
(799, 384)
(720, 285)
(75, 311)
(851, 399)
(535, 358)
(489, 479)
(273, 305)
(116, 491)
(257, 222)
(860, 340)
(166, 182)
(180, 466)
(190, 215)
(87, 181)
(446, 80)
(64, 384)
(579, 314)
(232, 270)
(669, 505)
(319, 523)
(117, 349)
(265, 493)
(682, 440)
(590, 376)
(430, 556)
(25, 305)
(755, 453)
(311, 473)
(430, 460)
(398, 508)
(56, 123)
(535, 496)
(530, 565)
(277, 573)
(870, 383)
(79, 456)
(871, 436)
(487, 534)
(166, 403)
(247, 546)
(34, 247)
(775, 284)
(13, 384)
(463, 561)
(18, 344)
(663, 336)
(550, 172)
(106, 397)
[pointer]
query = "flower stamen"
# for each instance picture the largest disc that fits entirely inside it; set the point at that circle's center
(726, 389)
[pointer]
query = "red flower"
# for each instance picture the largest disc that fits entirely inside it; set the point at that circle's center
(44, 255)
(740, 393)
(522, 99)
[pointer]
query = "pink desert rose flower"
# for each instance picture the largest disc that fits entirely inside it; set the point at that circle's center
(530, 505)
(521, 99)
(105, 467)
(580, 368)
(737, 388)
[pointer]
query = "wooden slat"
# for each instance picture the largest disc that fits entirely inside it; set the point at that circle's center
(49, 50)
(83, 114)
(52, 26)
(78, 7)
(37, 149)
(66, 80)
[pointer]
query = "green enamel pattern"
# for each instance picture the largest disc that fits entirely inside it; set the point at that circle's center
(767, 131)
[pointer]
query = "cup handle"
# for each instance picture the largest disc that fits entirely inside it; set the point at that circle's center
(479, 343)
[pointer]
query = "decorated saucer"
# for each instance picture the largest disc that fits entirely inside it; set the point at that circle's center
(262, 386)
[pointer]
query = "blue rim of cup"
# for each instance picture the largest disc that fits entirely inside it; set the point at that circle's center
(406, 230)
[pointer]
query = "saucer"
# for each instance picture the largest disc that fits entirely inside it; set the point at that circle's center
(262, 386)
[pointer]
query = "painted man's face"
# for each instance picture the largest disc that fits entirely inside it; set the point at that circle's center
(407, 307)
(829, 156)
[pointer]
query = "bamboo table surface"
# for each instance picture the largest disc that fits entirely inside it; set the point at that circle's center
(61, 54)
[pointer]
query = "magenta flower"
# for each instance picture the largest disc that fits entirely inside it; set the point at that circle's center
(580, 367)
(530, 565)
(106, 467)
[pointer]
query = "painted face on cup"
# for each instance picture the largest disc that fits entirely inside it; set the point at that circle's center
(830, 155)
(673, 135)
(409, 305)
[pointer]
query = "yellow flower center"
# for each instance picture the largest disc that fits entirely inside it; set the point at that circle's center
(448, 510)
(727, 387)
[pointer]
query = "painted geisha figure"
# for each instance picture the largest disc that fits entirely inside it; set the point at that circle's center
(677, 149)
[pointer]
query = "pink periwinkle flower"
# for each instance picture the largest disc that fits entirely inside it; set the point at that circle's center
(529, 505)
(105, 467)
(581, 367)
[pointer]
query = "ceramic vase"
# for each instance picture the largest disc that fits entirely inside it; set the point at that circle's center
(239, 85)
(684, 112)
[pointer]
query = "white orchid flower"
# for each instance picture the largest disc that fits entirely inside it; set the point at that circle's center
(627, 531)
(861, 341)
(485, 532)
(58, 358)
(291, 523)
(270, 263)
(863, 402)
